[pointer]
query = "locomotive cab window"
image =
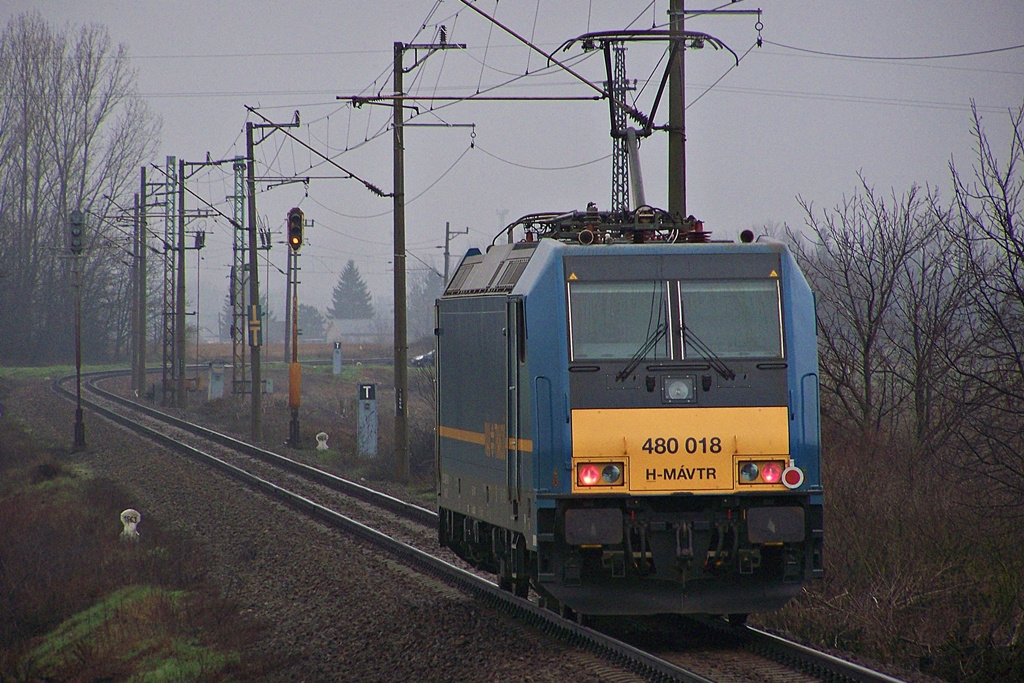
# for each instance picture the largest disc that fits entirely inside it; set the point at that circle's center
(731, 318)
(613, 320)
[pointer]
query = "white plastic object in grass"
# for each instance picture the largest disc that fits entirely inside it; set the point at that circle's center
(321, 441)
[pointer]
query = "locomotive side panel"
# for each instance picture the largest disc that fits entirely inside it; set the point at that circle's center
(472, 394)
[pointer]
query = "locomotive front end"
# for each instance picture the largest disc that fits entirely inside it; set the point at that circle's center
(694, 483)
(631, 427)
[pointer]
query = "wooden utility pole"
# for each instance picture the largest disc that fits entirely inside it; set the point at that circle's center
(401, 338)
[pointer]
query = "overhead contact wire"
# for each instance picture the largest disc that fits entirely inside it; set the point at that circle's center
(897, 59)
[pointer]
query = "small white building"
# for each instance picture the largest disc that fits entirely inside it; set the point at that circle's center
(357, 330)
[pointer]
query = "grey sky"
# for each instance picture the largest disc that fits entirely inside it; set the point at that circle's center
(784, 123)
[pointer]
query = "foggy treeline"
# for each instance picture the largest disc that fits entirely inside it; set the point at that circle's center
(73, 133)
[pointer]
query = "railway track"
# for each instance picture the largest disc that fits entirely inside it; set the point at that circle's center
(709, 651)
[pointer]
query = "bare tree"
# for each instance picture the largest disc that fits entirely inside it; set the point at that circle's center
(74, 130)
(988, 230)
(857, 257)
(928, 333)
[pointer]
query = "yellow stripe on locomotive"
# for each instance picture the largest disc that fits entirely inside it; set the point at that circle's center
(698, 450)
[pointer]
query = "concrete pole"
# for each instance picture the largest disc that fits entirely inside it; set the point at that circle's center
(401, 341)
(677, 117)
(179, 312)
(254, 285)
(143, 297)
(288, 293)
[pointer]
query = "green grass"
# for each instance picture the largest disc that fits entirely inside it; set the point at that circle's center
(138, 629)
(58, 643)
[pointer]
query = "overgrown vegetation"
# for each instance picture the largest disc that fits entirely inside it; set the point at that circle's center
(921, 329)
(76, 603)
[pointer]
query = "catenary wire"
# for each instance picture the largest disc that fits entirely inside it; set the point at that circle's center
(878, 58)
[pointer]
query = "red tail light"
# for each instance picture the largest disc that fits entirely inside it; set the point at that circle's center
(771, 472)
(589, 475)
(600, 474)
(762, 472)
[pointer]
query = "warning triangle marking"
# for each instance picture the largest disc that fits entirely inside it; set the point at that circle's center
(773, 274)
(572, 276)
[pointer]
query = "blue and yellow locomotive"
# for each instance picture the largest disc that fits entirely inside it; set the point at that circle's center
(627, 417)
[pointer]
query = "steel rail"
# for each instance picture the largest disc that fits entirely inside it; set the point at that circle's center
(818, 663)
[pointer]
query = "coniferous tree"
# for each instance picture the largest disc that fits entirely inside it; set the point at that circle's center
(351, 298)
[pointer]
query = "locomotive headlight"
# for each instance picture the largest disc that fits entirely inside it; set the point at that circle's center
(749, 472)
(678, 389)
(611, 474)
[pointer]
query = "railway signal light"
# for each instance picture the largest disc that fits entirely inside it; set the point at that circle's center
(76, 223)
(295, 221)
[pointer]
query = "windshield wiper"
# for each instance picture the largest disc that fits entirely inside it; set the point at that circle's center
(720, 367)
(641, 353)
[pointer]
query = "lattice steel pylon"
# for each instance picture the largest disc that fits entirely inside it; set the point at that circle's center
(239, 281)
(170, 280)
(620, 154)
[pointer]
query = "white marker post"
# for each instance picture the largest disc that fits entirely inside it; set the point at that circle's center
(366, 425)
(130, 519)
